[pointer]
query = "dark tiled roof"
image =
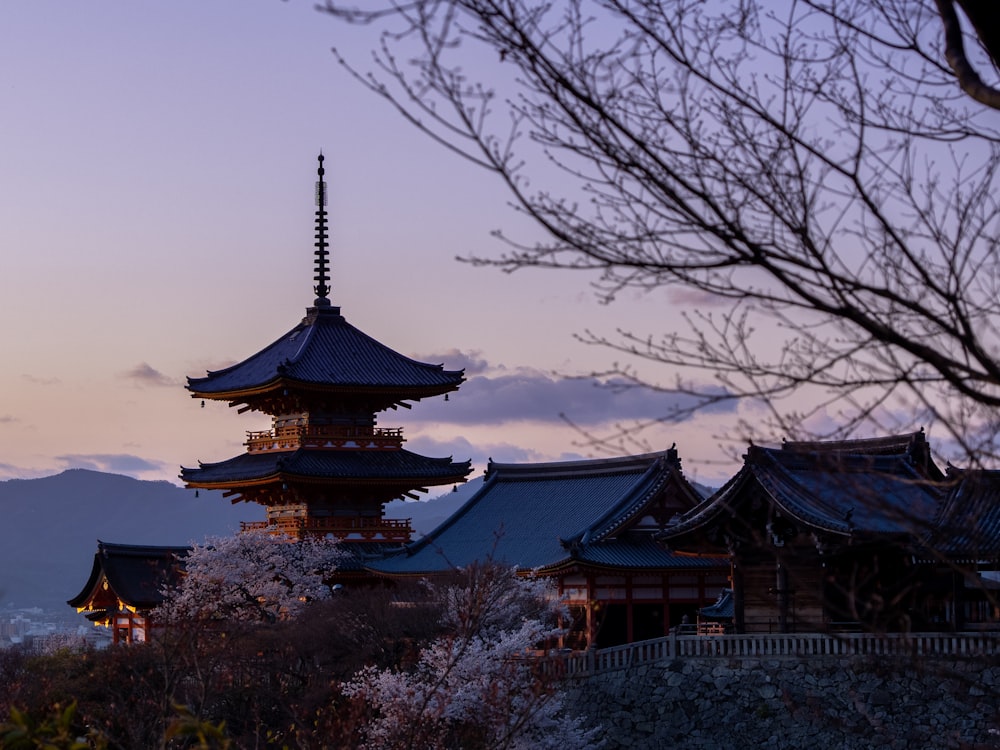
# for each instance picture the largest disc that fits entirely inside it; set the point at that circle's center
(325, 350)
(357, 555)
(545, 515)
(135, 573)
(638, 553)
(912, 446)
(833, 489)
(880, 495)
(968, 525)
(389, 465)
(723, 608)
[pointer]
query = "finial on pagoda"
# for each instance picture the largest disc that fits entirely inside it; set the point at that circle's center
(322, 276)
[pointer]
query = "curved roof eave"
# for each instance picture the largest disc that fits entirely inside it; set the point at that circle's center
(93, 581)
(285, 476)
(248, 470)
(325, 350)
(711, 507)
(645, 488)
(281, 383)
(791, 512)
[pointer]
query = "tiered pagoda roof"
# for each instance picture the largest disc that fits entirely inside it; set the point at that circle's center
(398, 467)
(324, 355)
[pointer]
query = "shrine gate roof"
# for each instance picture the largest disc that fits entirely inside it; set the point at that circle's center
(134, 574)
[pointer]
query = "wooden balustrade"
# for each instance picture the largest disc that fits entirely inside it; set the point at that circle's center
(290, 437)
(342, 527)
(795, 645)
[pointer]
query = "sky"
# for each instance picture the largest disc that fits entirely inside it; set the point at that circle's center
(157, 168)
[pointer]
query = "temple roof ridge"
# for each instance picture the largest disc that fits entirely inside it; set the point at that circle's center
(541, 516)
(579, 467)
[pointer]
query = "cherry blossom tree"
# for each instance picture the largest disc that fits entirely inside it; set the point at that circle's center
(472, 686)
(254, 576)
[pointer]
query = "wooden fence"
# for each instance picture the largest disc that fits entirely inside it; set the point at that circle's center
(783, 645)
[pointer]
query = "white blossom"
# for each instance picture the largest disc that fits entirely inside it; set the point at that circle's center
(252, 576)
(475, 685)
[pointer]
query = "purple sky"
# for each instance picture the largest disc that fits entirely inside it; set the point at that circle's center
(156, 213)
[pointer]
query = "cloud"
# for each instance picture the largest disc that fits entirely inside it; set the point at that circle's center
(480, 454)
(40, 381)
(146, 375)
(10, 471)
(115, 463)
(532, 396)
(697, 298)
(472, 362)
(8, 419)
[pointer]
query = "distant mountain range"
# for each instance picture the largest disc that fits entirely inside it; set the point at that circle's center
(49, 527)
(427, 515)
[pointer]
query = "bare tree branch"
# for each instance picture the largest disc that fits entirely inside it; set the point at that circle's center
(812, 175)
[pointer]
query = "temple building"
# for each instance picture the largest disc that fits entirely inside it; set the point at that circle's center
(590, 526)
(819, 536)
(853, 535)
(125, 583)
(326, 466)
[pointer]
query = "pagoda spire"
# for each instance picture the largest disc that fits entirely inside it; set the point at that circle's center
(322, 277)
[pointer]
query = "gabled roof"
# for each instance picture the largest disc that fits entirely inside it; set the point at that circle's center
(135, 574)
(911, 446)
(968, 525)
(325, 352)
(878, 487)
(724, 607)
(538, 516)
(361, 465)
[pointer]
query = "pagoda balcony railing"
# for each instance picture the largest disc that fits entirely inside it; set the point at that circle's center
(360, 528)
(291, 437)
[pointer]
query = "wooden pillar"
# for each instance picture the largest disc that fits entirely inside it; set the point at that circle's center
(629, 622)
(591, 623)
(665, 593)
(781, 582)
(958, 600)
(739, 620)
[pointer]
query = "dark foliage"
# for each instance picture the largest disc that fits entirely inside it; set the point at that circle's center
(264, 685)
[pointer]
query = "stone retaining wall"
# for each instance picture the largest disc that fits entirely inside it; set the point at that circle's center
(814, 703)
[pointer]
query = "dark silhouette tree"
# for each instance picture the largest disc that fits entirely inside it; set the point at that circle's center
(817, 180)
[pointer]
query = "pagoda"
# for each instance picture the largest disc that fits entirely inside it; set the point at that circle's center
(325, 466)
